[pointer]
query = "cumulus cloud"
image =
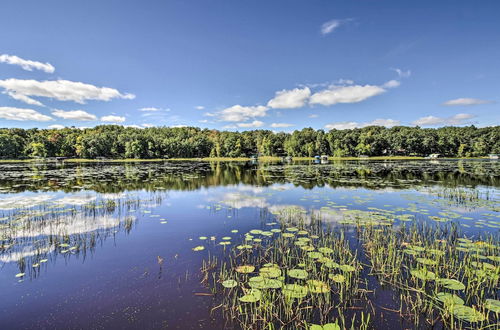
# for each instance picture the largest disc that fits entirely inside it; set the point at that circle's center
(466, 101)
(21, 114)
(238, 113)
(289, 99)
(345, 94)
(458, 119)
(332, 25)
(280, 125)
(199, 107)
(113, 119)
(253, 124)
(353, 124)
(27, 65)
(61, 90)
(74, 115)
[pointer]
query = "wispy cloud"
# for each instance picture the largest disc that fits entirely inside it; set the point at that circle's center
(74, 115)
(466, 102)
(56, 126)
(21, 114)
(199, 107)
(353, 124)
(253, 124)
(27, 65)
(150, 109)
(332, 25)
(402, 73)
(458, 119)
(281, 125)
(61, 90)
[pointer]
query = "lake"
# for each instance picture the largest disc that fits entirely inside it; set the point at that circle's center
(367, 244)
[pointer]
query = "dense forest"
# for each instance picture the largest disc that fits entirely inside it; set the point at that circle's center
(112, 141)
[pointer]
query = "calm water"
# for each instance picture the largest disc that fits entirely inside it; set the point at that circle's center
(109, 245)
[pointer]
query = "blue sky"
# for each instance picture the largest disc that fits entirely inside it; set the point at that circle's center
(238, 65)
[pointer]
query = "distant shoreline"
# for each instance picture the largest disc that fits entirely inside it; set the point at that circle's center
(225, 159)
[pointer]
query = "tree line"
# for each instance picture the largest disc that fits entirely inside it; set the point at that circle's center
(114, 141)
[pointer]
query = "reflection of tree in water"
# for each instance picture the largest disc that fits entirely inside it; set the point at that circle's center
(116, 177)
(34, 236)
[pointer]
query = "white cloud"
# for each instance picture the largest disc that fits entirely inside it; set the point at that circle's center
(240, 113)
(178, 126)
(313, 115)
(289, 99)
(56, 126)
(392, 84)
(332, 25)
(199, 107)
(345, 94)
(253, 124)
(113, 119)
(21, 114)
(153, 109)
(26, 64)
(342, 125)
(353, 124)
(466, 101)
(401, 73)
(281, 125)
(74, 115)
(61, 90)
(148, 125)
(458, 119)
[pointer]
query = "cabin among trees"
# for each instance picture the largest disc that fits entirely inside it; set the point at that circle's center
(114, 142)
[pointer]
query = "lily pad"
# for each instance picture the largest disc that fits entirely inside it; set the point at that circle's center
(449, 299)
(316, 286)
(298, 274)
(229, 284)
(493, 305)
(451, 284)
(245, 269)
(338, 278)
(467, 313)
(295, 291)
(252, 296)
(199, 248)
(270, 272)
(423, 274)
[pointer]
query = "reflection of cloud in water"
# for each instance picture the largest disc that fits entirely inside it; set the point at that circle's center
(76, 200)
(281, 187)
(255, 190)
(238, 201)
(69, 225)
(15, 202)
(25, 253)
(296, 213)
(114, 195)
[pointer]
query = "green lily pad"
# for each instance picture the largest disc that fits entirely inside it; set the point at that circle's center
(314, 255)
(316, 286)
(467, 313)
(423, 274)
(449, 299)
(244, 247)
(255, 231)
(295, 291)
(229, 284)
(325, 250)
(199, 248)
(245, 269)
(347, 268)
(338, 278)
(493, 305)
(252, 296)
(288, 235)
(427, 261)
(298, 274)
(270, 272)
(451, 284)
(20, 275)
